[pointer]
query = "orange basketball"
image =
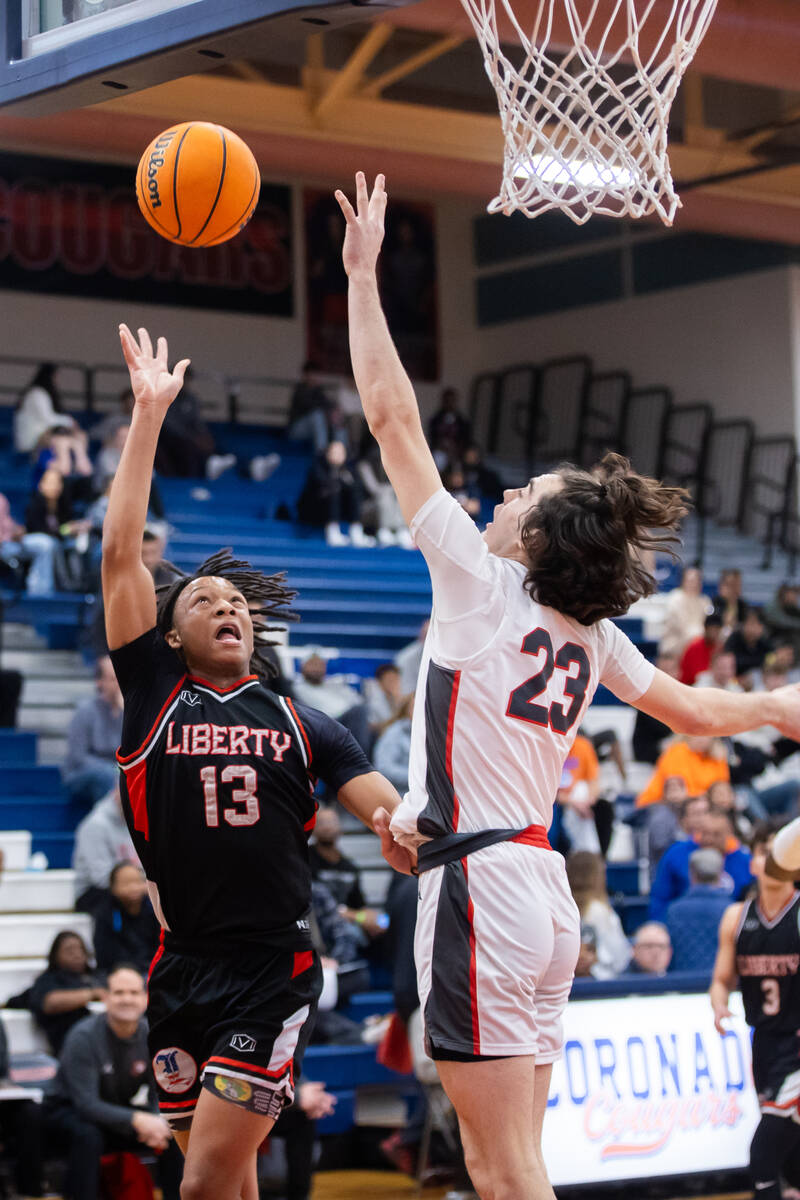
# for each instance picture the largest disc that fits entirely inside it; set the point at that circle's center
(197, 184)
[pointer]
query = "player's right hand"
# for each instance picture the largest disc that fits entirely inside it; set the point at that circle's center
(721, 1013)
(364, 234)
(154, 386)
(396, 855)
(152, 1130)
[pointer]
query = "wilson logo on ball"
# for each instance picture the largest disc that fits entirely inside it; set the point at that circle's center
(197, 184)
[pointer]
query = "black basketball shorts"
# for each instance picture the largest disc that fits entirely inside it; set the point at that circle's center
(776, 1074)
(237, 1025)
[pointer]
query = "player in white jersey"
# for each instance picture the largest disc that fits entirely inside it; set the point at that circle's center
(518, 642)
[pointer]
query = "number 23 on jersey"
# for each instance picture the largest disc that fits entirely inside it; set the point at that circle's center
(572, 660)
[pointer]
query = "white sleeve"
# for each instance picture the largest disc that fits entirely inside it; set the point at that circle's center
(463, 577)
(623, 669)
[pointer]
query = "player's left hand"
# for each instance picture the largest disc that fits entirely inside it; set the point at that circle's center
(364, 235)
(788, 719)
(396, 855)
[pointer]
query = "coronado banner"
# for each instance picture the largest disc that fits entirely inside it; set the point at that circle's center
(647, 1087)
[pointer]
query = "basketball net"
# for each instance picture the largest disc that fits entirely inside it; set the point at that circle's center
(586, 126)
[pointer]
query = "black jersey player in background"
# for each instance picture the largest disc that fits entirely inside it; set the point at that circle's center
(218, 776)
(759, 945)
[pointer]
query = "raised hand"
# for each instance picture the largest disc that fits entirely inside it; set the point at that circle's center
(364, 235)
(152, 382)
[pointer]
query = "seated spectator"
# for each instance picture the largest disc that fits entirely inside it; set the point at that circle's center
(125, 926)
(466, 494)
(331, 496)
(699, 760)
(698, 654)
(342, 946)
(577, 795)
(60, 995)
(391, 751)
(104, 429)
(20, 1129)
(693, 919)
(381, 508)
(728, 602)
(333, 695)
(103, 1099)
(672, 876)
(90, 768)
(329, 865)
(763, 767)
(587, 880)
(186, 447)
(449, 431)
(663, 819)
(310, 410)
(383, 696)
(108, 456)
(68, 453)
(782, 616)
(686, 611)
(39, 409)
(30, 555)
(652, 950)
(482, 479)
(586, 966)
(10, 692)
(649, 733)
(51, 513)
(408, 660)
(749, 645)
(101, 841)
(720, 674)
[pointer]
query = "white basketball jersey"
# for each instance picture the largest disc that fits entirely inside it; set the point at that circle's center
(503, 685)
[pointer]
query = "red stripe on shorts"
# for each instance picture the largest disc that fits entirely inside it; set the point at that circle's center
(473, 969)
(303, 959)
(249, 1067)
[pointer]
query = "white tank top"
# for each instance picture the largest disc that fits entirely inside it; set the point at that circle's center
(503, 685)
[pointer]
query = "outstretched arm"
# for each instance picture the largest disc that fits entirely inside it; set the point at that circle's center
(387, 396)
(128, 591)
(714, 712)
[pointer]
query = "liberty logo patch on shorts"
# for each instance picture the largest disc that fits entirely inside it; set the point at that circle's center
(174, 1069)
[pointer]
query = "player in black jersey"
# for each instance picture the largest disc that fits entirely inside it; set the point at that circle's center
(218, 780)
(759, 945)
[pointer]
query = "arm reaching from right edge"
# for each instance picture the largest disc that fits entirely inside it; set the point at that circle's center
(128, 591)
(387, 396)
(714, 712)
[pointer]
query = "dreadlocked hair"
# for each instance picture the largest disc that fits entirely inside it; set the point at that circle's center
(268, 599)
(585, 540)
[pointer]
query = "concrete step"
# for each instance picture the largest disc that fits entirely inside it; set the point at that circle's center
(44, 663)
(24, 1035)
(37, 891)
(22, 637)
(56, 690)
(17, 974)
(30, 935)
(46, 719)
(52, 749)
(16, 847)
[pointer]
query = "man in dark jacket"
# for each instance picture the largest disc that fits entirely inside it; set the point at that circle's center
(103, 1099)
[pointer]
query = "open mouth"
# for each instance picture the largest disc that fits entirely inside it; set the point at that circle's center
(228, 633)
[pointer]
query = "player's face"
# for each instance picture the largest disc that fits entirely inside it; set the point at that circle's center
(213, 629)
(502, 533)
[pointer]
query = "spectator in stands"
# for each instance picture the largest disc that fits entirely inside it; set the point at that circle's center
(663, 819)
(90, 768)
(728, 602)
(409, 658)
(330, 865)
(672, 877)
(380, 509)
(697, 655)
(10, 691)
(68, 453)
(104, 429)
(449, 431)
(103, 1099)
(763, 766)
(101, 841)
(153, 547)
(31, 555)
(586, 873)
(333, 695)
(342, 947)
(699, 760)
(466, 494)
(20, 1129)
(652, 950)
(577, 795)
(782, 615)
(310, 409)
(693, 919)
(40, 409)
(649, 733)
(60, 995)
(51, 512)
(391, 751)
(125, 926)
(384, 696)
(587, 965)
(483, 479)
(721, 673)
(749, 645)
(108, 456)
(332, 495)
(686, 611)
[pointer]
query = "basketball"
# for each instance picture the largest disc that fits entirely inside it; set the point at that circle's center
(197, 184)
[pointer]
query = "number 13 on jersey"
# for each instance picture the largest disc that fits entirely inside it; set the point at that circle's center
(573, 661)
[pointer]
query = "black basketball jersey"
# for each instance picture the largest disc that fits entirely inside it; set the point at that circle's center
(217, 788)
(768, 963)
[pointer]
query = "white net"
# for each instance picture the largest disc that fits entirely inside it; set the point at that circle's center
(585, 124)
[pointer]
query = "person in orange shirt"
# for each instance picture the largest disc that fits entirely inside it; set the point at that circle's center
(701, 761)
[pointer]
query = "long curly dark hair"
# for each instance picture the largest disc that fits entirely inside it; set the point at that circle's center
(584, 541)
(268, 599)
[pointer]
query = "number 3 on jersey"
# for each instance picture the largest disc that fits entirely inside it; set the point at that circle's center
(521, 701)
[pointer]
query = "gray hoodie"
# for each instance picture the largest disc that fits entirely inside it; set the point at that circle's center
(101, 840)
